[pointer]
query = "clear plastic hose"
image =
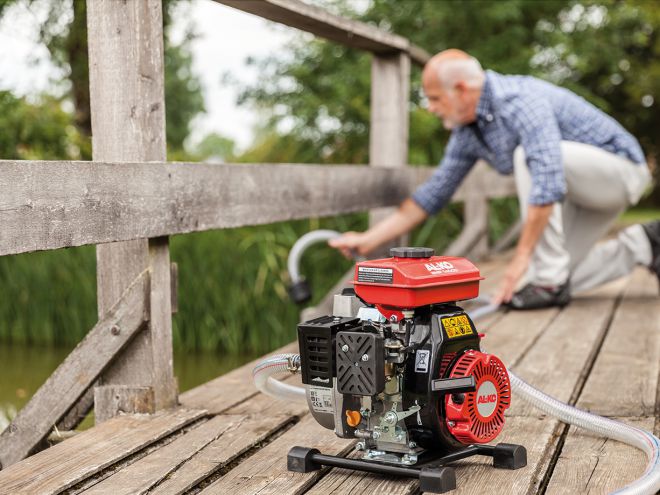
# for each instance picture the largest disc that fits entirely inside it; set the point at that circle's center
(278, 365)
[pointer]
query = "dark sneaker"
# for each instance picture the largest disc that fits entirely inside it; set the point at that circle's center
(652, 230)
(535, 297)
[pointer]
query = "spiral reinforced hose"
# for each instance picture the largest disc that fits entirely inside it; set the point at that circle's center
(647, 484)
(279, 364)
(313, 237)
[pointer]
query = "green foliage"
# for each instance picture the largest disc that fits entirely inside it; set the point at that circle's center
(37, 131)
(64, 34)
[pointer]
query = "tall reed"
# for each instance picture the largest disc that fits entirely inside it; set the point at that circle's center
(232, 285)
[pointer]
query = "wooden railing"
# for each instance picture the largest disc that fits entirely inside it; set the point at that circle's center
(128, 200)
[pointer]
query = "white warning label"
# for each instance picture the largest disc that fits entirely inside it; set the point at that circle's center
(321, 399)
(374, 274)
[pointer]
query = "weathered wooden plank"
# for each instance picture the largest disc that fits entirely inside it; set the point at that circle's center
(264, 417)
(163, 381)
(50, 205)
(388, 130)
(226, 391)
(127, 101)
(111, 400)
(475, 475)
(60, 467)
(265, 472)
(590, 464)
(624, 381)
(76, 374)
(321, 23)
(144, 474)
(562, 356)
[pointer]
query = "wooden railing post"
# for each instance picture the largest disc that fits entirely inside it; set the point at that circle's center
(388, 138)
(128, 124)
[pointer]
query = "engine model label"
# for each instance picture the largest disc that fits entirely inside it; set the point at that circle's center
(373, 274)
(422, 361)
(457, 326)
(320, 399)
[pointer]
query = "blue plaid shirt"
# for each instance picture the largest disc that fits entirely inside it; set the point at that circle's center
(522, 110)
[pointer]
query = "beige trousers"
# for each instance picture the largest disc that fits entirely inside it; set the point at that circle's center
(600, 186)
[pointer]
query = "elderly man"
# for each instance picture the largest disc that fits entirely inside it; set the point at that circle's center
(576, 169)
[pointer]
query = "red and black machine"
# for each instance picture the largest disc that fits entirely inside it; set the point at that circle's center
(398, 366)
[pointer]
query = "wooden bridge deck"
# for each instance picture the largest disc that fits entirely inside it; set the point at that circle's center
(602, 353)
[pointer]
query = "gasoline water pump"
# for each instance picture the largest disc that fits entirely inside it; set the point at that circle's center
(398, 366)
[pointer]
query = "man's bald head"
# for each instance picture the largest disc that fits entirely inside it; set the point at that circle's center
(452, 82)
(452, 66)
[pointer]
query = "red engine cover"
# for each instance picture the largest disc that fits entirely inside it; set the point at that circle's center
(405, 283)
(479, 418)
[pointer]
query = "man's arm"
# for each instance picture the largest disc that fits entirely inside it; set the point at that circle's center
(403, 220)
(535, 223)
(427, 200)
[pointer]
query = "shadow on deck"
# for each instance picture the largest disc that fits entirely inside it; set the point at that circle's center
(602, 352)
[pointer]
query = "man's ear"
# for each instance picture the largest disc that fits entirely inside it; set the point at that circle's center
(461, 87)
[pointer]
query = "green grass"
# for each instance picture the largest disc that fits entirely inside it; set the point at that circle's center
(640, 215)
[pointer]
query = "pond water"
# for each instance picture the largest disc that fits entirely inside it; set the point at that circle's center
(24, 369)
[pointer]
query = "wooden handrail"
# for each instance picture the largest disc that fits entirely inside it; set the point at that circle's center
(51, 205)
(321, 23)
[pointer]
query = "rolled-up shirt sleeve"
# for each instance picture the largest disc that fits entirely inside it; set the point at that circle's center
(436, 192)
(532, 118)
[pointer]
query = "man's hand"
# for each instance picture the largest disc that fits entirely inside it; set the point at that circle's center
(408, 215)
(512, 276)
(351, 244)
(536, 220)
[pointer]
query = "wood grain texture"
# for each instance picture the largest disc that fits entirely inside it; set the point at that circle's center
(596, 465)
(112, 400)
(160, 324)
(563, 355)
(50, 205)
(144, 474)
(266, 471)
(229, 390)
(317, 21)
(388, 130)
(67, 463)
(127, 101)
(75, 375)
(624, 380)
(263, 415)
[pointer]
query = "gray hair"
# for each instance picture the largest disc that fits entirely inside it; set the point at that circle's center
(453, 70)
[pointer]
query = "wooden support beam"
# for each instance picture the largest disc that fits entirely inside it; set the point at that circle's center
(128, 124)
(76, 374)
(110, 400)
(388, 137)
(321, 23)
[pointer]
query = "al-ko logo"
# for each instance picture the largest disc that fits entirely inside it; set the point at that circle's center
(440, 267)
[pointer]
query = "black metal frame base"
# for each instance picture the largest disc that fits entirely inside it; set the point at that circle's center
(434, 476)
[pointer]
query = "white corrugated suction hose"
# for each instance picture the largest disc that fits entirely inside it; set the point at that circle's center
(647, 484)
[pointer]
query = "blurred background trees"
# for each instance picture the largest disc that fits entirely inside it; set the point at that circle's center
(314, 104)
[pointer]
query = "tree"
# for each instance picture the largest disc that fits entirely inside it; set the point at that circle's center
(319, 92)
(67, 46)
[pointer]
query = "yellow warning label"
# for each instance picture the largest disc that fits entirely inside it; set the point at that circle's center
(457, 326)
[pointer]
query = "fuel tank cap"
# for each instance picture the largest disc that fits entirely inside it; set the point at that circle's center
(411, 252)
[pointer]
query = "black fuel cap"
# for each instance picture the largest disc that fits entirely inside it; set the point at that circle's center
(412, 252)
